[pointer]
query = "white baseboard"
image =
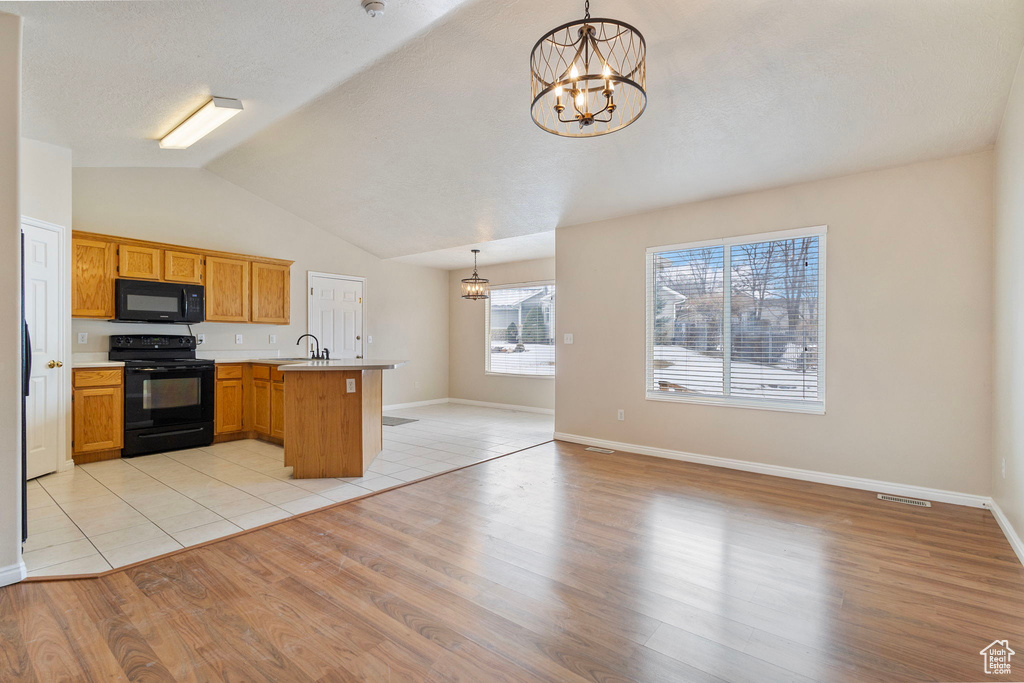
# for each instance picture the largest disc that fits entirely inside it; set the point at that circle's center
(937, 495)
(12, 573)
(502, 406)
(415, 404)
(1011, 534)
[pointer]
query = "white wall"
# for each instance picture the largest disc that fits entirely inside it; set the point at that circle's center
(1008, 490)
(467, 345)
(406, 306)
(909, 328)
(11, 569)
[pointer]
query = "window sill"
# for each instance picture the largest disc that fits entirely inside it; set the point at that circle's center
(510, 374)
(808, 409)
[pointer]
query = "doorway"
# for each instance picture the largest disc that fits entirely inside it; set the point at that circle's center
(46, 406)
(336, 313)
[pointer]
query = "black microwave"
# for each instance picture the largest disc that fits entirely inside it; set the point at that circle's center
(142, 301)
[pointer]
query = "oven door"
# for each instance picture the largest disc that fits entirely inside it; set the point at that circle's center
(159, 302)
(167, 395)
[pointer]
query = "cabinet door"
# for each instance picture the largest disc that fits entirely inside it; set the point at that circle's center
(277, 409)
(138, 263)
(270, 293)
(180, 266)
(97, 419)
(228, 406)
(92, 278)
(261, 408)
(227, 290)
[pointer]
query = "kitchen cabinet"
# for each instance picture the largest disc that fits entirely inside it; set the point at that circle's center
(270, 293)
(138, 263)
(92, 278)
(97, 415)
(184, 267)
(261, 406)
(229, 400)
(227, 289)
(277, 410)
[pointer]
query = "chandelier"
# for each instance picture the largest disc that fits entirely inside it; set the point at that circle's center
(588, 77)
(476, 287)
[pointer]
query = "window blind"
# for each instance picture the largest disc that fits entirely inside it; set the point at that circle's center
(739, 321)
(520, 330)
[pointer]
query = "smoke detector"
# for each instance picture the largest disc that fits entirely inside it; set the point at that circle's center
(374, 7)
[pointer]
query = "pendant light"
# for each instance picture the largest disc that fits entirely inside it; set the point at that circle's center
(589, 77)
(475, 287)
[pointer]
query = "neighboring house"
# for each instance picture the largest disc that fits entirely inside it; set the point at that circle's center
(516, 305)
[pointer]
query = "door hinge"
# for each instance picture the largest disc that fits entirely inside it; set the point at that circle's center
(360, 299)
(311, 291)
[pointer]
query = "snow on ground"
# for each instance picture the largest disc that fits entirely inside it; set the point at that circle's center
(687, 370)
(537, 359)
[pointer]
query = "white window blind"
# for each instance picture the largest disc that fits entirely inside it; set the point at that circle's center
(739, 321)
(520, 330)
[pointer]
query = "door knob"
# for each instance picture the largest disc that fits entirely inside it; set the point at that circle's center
(358, 337)
(55, 364)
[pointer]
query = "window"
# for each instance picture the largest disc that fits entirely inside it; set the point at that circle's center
(521, 330)
(739, 321)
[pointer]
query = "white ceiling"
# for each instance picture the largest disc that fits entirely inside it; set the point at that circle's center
(522, 248)
(108, 79)
(426, 145)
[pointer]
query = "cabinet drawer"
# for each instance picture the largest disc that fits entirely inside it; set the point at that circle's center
(229, 372)
(276, 375)
(108, 377)
(261, 372)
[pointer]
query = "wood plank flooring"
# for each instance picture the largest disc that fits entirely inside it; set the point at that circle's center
(552, 564)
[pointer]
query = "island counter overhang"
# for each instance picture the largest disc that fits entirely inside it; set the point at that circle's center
(332, 416)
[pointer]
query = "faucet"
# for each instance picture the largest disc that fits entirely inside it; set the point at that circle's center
(316, 356)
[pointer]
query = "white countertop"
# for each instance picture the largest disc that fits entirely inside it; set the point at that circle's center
(342, 364)
(97, 364)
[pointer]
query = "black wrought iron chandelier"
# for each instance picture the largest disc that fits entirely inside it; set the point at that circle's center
(588, 77)
(476, 287)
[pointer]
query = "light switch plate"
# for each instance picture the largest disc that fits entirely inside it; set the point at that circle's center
(369, 340)
(83, 337)
(568, 338)
(350, 385)
(200, 339)
(238, 339)
(273, 339)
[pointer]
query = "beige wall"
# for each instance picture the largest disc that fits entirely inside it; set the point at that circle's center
(10, 298)
(909, 328)
(467, 341)
(406, 306)
(1008, 490)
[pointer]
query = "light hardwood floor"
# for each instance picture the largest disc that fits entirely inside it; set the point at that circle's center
(550, 564)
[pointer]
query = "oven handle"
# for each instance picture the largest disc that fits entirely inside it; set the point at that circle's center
(174, 433)
(172, 368)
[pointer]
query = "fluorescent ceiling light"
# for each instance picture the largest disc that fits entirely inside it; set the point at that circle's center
(202, 123)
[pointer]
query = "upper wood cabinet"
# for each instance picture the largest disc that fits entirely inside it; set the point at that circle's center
(270, 293)
(138, 263)
(227, 290)
(239, 288)
(92, 278)
(180, 266)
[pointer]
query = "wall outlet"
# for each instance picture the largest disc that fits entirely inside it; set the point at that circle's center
(238, 339)
(83, 337)
(567, 338)
(369, 340)
(200, 339)
(622, 415)
(272, 339)
(350, 385)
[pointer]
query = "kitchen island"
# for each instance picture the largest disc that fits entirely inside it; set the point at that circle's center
(332, 415)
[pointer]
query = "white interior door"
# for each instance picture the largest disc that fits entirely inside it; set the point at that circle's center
(336, 313)
(45, 409)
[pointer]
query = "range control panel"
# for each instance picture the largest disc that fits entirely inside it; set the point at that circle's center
(148, 341)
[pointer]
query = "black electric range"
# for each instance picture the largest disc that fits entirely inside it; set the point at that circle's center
(168, 393)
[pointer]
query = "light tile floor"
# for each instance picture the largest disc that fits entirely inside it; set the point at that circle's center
(113, 513)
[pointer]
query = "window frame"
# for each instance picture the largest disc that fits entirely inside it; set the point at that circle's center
(814, 408)
(487, 330)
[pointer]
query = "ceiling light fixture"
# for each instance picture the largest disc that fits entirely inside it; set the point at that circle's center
(476, 287)
(201, 123)
(601, 64)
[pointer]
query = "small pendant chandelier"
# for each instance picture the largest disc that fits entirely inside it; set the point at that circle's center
(588, 77)
(476, 287)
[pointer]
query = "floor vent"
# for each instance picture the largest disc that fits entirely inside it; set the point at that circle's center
(595, 449)
(905, 501)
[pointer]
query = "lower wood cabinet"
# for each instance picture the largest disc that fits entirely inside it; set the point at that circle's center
(277, 410)
(261, 408)
(249, 401)
(229, 400)
(97, 413)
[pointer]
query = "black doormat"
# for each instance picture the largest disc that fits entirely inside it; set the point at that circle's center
(395, 421)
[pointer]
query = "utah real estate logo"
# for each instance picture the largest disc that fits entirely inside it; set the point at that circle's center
(997, 658)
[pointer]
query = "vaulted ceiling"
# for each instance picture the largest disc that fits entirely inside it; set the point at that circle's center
(410, 133)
